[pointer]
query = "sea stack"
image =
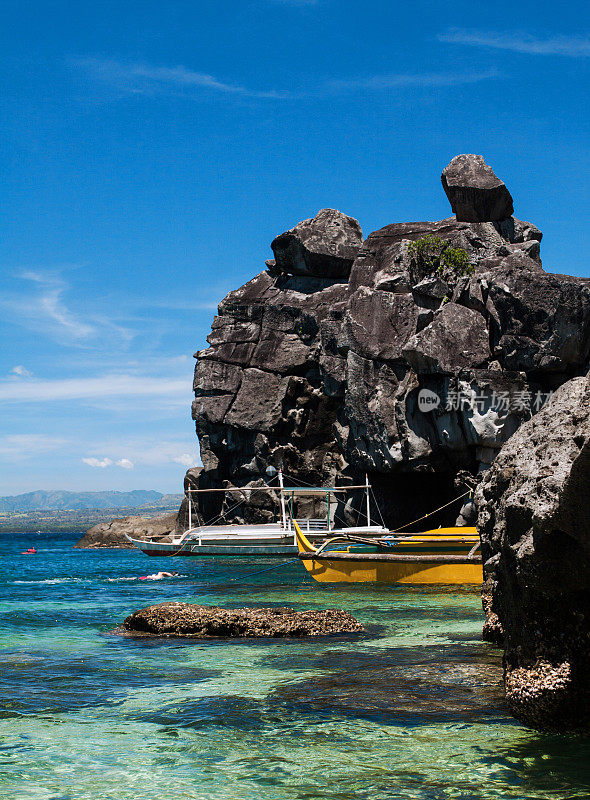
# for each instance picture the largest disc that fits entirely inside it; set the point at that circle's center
(317, 362)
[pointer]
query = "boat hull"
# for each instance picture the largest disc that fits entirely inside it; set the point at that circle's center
(388, 570)
(440, 557)
(219, 550)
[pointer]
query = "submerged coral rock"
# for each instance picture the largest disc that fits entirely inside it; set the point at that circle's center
(204, 622)
(475, 193)
(324, 246)
(534, 522)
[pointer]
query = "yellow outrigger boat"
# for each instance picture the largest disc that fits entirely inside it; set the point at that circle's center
(441, 556)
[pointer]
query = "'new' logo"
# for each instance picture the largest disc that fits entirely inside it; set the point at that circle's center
(427, 400)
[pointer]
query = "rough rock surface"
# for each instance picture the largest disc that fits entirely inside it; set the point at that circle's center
(112, 534)
(324, 246)
(204, 622)
(475, 193)
(534, 521)
(322, 374)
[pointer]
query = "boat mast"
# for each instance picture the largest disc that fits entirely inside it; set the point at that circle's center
(190, 525)
(283, 510)
(367, 487)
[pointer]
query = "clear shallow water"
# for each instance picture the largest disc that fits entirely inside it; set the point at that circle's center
(413, 709)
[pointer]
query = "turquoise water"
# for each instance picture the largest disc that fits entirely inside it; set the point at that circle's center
(412, 709)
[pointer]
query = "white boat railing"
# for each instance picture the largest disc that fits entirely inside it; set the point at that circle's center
(198, 535)
(310, 525)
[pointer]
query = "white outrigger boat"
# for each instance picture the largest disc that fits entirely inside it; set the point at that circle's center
(266, 539)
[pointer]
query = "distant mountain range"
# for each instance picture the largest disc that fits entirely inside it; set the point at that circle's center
(74, 501)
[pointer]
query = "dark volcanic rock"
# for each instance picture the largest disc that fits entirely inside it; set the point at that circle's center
(204, 622)
(457, 337)
(475, 193)
(322, 374)
(324, 246)
(534, 522)
(112, 534)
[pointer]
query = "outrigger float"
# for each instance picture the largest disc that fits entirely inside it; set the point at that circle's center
(444, 556)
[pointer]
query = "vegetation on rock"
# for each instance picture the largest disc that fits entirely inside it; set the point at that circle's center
(435, 256)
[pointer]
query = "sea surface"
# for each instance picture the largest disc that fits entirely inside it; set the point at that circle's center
(411, 709)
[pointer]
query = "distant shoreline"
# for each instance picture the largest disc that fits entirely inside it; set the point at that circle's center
(70, 521)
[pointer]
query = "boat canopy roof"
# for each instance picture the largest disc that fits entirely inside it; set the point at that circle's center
(312, 490)
(301, 490)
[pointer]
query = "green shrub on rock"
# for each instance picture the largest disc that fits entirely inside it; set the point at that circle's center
(435, 256)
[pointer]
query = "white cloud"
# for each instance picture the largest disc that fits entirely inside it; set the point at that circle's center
(21, 372)
(107, 386)
(138, 78)
(185, 459)
(125, 463)
(403, 80)
(573, 46)
(101, 463)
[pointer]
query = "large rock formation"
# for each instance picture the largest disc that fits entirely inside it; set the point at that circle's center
(535, 526)
(319, 363)
(205, 622)
(475, 193)
(112, 534)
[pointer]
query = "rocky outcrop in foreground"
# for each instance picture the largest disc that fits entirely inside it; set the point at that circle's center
(112, 534)
(205, 622)
(534, 522)
(409, 356)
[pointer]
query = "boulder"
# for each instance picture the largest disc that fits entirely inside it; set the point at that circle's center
(324, 246)
(112, 534)
(206, 622)
(534, 520)
(456, 338)
(475, 193)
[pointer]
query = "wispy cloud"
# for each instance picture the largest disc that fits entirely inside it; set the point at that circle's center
(107, 386)
(185, 459)
(19, 446)
(141, 452)
(49, 303)
(38, 300)
(20, 372)
(573, 46)
(124, 453)
(147, 79)
(402, 80)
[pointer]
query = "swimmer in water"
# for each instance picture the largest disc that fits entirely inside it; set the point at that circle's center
(157, 576)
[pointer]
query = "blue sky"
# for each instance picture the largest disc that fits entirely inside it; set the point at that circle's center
(153, 150)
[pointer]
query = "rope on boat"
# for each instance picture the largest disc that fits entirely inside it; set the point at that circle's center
(430, 513)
